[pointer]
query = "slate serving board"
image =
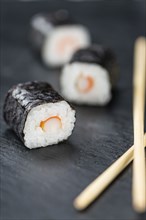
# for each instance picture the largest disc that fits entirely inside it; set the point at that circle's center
(42, 183)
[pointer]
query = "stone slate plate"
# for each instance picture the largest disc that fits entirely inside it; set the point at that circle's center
(42, 183)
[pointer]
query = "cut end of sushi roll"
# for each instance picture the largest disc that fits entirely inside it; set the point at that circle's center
(90, 76)
(97, 54)
(48, 124)
(86, 84)
(63, 41)
(38, 114)
(42, 24)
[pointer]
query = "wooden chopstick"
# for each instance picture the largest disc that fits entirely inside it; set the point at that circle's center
(139, 170)
(103, 181)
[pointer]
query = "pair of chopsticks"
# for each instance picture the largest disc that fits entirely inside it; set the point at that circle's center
(136, 152)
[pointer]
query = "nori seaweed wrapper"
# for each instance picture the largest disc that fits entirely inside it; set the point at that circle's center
(22, 98)
(97, 54)
(45, 22)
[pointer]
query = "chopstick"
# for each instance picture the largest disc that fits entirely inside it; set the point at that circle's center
(139, 172)
(103, 181)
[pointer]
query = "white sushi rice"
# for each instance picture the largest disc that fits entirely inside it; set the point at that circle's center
(100, 93)
(51, 54)
(35, 136)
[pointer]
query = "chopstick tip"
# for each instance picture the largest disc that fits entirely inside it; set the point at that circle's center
(78, 205)
(139, 207)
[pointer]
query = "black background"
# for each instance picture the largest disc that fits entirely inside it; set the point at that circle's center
(42, 183)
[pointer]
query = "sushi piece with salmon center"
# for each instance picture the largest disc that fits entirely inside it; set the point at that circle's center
(56, 37)
(38, 114)
(90, 76)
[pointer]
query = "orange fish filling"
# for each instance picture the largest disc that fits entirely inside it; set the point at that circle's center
(51, 123)
(65, 43)
(85, 83)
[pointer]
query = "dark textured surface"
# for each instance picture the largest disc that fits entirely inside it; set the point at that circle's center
(42, 183)
(22, 98)
(97, 54)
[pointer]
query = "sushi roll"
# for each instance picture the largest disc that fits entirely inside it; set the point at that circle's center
(42, 24)
(90, 76)
(38, 114)
(57, 37)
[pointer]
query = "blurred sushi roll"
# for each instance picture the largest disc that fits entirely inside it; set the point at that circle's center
(90, 76)
(42, 24)
(57, 37)
(38, 114)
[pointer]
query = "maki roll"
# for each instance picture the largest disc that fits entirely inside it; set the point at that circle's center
(42, 24)
(38, 114)
(90, 76)
(56, 37)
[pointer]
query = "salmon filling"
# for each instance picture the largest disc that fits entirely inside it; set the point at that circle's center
(85, 83)
(66, 43)
(51, 124)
